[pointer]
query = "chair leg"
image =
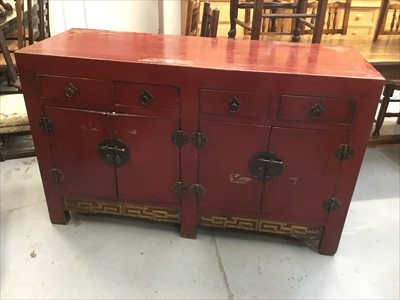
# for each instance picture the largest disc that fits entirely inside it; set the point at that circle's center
(233, 13)
(381, 19)
(7, 57)
(257, 19)
(319, 21)
(387, 93)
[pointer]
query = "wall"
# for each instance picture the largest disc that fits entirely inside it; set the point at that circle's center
(151, 16)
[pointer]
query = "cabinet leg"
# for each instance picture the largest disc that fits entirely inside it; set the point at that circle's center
(59, 217)
(329, 242)
(189, 232)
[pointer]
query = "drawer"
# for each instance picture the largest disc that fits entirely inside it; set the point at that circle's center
(359, 15)
(317, 109)
(74, 89)
(151, 96)
(235, 104)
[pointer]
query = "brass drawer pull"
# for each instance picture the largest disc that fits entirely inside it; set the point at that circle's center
(234, 105)
(317, 110)
(71, 90)
(145, 98)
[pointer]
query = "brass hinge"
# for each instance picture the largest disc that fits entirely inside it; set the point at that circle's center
(57, 175)
(197, 190)
(344, 151)
(180, 188)
(179, 138)
(46, 124)
(199, 139)
(331, 204)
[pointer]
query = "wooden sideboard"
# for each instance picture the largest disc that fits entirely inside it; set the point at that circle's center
(264, 136)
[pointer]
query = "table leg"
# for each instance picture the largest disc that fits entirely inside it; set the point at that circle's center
(387, 93)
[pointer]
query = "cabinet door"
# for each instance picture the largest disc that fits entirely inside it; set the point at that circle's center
(310, 172)
(153, 167)
(74, 141)
(223, 165)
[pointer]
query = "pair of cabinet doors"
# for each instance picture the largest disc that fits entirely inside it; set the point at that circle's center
(309, 174)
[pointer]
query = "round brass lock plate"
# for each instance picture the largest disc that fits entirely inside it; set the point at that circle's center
(265, 166)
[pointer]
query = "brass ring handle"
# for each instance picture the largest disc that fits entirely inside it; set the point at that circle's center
(317, 110)
(70, 90)
(234, 105)
(145, 98)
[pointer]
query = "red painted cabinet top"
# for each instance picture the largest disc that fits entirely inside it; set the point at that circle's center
(250, 56)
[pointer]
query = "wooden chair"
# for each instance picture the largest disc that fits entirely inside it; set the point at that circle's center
(299, 14)
(38, 20)
(11, 42)
(335, 12)
(32, 24)
(209, 24)
(389, 9)
(35, 21)
(192, 17)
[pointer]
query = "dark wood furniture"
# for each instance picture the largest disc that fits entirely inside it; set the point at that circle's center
(299, 14)
(391, 72)
(209, 23)
(26, 23)
(192, 17)
(8, 25)
(389, 9)
(252, 135)
(334, 11)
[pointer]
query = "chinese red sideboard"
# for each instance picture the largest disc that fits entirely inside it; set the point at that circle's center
(263, 136)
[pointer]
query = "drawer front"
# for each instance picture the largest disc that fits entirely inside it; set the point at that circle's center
(156, 97)
(317, 109)
(74, 89)
(234, 104)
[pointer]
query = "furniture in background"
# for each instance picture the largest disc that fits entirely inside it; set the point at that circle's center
(391, 72)
(192, 17)
(299, 15)
(38, 20)
(209, 23)
(15, 137)
(10, 25)
(336, 13)
(234, 147)
(389, 9)
(26, 24)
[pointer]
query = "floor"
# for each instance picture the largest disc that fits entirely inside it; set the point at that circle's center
(106, 257)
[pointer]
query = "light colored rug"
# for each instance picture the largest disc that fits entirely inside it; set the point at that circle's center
(13, 116)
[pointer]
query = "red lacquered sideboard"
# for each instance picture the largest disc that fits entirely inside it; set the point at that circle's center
(262, 136)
